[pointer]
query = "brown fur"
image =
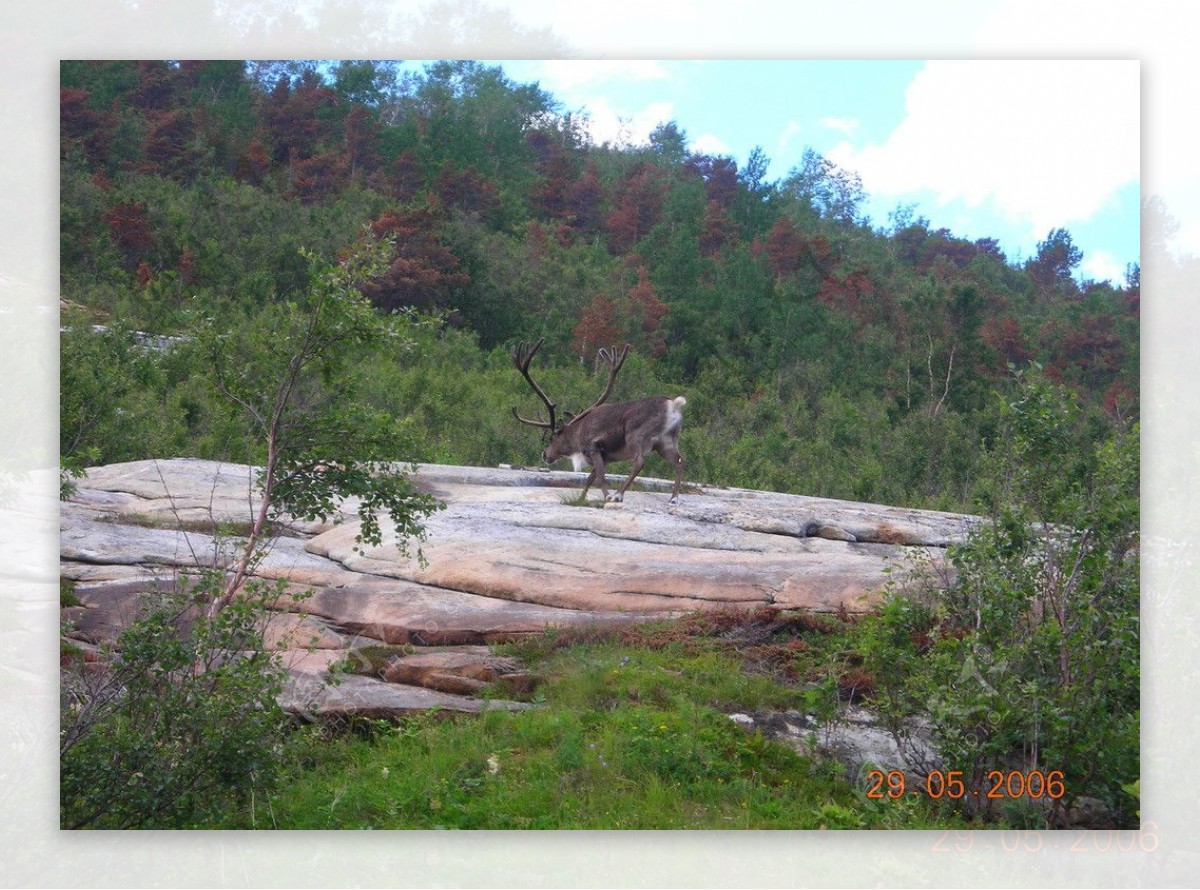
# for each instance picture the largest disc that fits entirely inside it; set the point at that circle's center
(626, 431)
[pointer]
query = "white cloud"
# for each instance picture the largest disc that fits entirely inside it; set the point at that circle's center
(575, 80)
(790, 132)
(607, 125)
(845, 125)
(1103, 266)
(1152, 31)
(1047, 142)
(710, 145)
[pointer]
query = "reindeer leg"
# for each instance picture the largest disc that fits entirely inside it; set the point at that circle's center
(634, 469)
(671, 454)
(587, 483)
(596, 458)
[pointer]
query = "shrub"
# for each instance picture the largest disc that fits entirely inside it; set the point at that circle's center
(175, 724)
(1029, 659)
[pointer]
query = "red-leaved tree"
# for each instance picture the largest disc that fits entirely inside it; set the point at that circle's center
(717, 230)
(599, 325)
(638, 203)
(130, 230)
(785, 247)
(423, 272)
(646, 311)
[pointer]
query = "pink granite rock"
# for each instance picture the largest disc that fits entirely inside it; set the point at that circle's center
(506, 558)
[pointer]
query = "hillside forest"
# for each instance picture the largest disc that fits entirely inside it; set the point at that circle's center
(821, 352)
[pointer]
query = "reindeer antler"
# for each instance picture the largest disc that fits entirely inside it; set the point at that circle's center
(614, 361)
(522, 355)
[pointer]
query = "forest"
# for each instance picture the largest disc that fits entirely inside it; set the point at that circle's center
(821, 352)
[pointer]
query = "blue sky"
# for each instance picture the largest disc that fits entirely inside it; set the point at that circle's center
(1009, 150)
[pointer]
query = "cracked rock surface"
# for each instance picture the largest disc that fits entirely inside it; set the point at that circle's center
(507, 557)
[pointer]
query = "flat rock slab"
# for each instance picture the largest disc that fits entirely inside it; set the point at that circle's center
(511, 538)
(176, 491)
(308, 695)
(400, 613)
(88, 541)
(507, 557)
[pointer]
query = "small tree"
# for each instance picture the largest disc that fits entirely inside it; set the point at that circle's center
(111, 408)
(289, 371)
(1053, 267)
(829, 191)
(180, 718)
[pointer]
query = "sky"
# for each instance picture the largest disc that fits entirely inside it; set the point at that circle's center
(1003, 149)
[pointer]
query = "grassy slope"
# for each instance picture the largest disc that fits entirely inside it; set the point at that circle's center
(633, 733)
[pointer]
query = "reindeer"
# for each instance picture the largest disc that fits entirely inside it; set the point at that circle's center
(601, 434)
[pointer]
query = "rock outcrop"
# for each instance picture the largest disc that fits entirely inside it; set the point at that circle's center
(507, 557)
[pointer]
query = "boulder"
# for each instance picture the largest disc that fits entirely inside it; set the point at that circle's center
(645, 557)
(311, 696)
(462, 669)
(857, 740)
(509, 556)
(400, 612)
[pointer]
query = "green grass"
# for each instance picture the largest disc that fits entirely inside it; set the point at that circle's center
(66, 593)
(579, 499)
(223, 528)
(631, 731)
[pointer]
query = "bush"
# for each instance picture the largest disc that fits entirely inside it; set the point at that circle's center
(115, 404)
(176, 724)
(1029, 660)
